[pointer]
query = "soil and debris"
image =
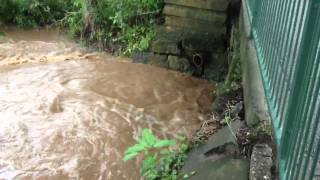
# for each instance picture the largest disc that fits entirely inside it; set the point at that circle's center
(228, 104)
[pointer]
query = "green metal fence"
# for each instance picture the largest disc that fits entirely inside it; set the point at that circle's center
(287, 39)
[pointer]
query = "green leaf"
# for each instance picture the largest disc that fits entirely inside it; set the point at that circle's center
(2, 33)
(164, 143)
(143, 142)
(135, 149)
(128, 157)
(150, 162)
(148, 137)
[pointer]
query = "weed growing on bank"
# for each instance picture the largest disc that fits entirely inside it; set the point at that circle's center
(160, 162)
(119, 26)
(234, 77)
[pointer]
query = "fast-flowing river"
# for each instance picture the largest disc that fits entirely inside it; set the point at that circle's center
(66, 113)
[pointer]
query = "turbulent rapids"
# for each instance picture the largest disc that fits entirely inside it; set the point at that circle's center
(69, 114)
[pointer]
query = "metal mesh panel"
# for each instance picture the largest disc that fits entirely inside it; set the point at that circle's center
(287, 39)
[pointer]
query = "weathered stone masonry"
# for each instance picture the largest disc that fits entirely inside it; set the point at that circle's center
(192, 39)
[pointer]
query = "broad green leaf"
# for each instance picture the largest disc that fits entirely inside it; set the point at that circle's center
(143, 142)
(148, 137)
(164, 143)
(135, 149)
(127, 157)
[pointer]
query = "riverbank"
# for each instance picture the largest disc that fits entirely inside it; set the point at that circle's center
(119, 26)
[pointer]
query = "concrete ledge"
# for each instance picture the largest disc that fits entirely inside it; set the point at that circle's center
(218, 5)
(166, 46)
(179, 33)
(195, 13)
(196, 25)
(254, 95)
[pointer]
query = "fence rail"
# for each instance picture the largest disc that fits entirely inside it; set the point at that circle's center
(287, 39)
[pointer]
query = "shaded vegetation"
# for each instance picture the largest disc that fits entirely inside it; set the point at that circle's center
(31, 13)
(115, 25)
(234, 77)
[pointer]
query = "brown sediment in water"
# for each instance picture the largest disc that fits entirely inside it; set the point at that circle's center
(73, 116)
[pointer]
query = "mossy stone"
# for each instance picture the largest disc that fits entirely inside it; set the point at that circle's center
(179, 64)
(166, 46)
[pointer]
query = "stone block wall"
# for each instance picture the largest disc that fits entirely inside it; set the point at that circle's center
(192, 39)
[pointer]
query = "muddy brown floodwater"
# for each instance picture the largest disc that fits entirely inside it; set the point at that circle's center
(69, 114)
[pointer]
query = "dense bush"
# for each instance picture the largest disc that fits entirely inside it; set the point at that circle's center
(31, 13)
(128, 24)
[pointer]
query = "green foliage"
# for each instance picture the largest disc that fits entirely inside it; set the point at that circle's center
(30, 13)
(234, 77)
(125, 24)
(264, 128)
(159, 161)
(136, 38)
(122, 25)
(74, 19)
(134, 20)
